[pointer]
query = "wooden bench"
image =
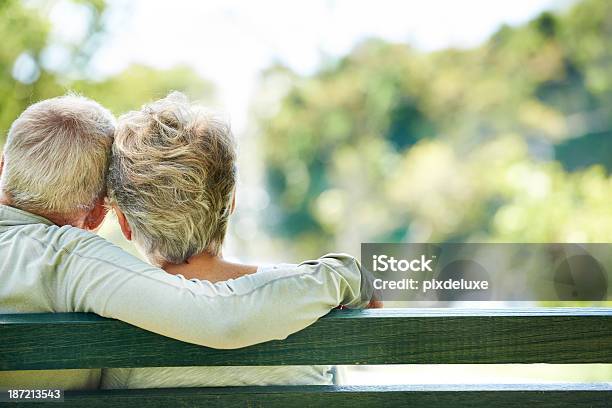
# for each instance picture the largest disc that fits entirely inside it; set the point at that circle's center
(380, 336)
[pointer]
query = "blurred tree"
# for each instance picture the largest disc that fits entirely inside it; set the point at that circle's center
(392, 144)
(24, 36)
(30, 73)
(139, 84)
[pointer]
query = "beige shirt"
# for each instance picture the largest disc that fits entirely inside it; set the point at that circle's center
(166, 377)
(47, 268)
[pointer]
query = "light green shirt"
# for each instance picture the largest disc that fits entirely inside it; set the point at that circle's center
(47, 268)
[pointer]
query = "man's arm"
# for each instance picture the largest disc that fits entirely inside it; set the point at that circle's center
(103, 279)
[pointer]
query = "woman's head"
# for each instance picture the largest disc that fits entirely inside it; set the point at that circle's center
(173, 175)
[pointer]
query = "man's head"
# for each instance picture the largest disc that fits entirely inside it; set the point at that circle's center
(55, 160)
(172, 176)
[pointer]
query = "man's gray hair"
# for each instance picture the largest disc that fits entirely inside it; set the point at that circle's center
(56, 156)
(172, 173)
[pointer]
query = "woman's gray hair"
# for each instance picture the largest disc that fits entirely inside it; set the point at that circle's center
(56, 156)
(172, 173)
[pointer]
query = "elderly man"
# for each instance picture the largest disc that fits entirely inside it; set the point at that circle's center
(52, 189)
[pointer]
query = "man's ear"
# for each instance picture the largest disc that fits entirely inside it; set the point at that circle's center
(96, 216)
(123, 223)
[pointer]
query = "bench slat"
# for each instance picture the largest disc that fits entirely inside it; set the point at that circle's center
(430, 396)
(379, 336)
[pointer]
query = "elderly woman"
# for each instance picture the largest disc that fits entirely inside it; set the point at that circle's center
(172, 183)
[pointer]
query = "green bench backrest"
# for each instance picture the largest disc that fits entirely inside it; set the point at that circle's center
(379, 336)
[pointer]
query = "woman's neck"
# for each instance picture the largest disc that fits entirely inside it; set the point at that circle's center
(209, 267)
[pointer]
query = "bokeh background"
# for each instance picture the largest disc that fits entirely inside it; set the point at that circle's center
(360, 121)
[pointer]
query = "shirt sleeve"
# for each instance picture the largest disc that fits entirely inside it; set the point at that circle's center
(101, 278)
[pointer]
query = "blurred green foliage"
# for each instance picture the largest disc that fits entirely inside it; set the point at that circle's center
(510, 141)
(139, 84)
(28, 43)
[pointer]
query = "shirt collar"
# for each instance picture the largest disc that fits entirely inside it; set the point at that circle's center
(11, 216)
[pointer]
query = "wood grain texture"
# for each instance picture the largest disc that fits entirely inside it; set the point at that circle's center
(379, 336)
(430, 396)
